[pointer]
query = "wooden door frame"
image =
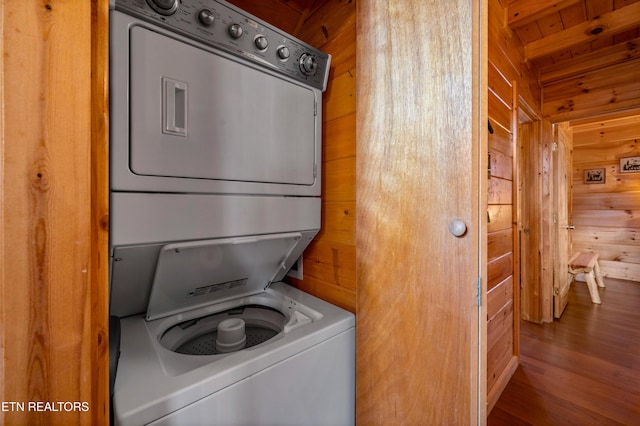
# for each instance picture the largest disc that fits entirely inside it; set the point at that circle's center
(524, 115)
(536, 303)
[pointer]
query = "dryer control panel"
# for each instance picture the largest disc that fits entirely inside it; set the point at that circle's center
(224, 26)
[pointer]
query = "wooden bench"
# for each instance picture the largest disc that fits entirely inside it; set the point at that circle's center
(587, 264)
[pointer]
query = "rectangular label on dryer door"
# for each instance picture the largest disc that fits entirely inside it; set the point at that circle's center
(196, 114)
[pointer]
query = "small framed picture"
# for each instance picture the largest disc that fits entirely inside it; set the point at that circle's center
(594, 175)
(629, 165)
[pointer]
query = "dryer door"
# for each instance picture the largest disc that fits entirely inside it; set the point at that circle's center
(196, 114)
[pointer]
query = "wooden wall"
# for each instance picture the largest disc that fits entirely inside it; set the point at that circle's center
(330, 25)
(582, 93)
(606, 216)
(508, 78)
(53, 212)
(330, 261)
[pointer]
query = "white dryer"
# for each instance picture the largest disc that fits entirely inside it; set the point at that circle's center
(215, 193)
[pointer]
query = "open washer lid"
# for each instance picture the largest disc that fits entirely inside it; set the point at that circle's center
(198, 273)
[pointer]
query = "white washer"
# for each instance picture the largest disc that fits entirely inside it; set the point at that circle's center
(215, 193)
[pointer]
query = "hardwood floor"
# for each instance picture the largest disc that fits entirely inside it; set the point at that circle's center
(583, 369)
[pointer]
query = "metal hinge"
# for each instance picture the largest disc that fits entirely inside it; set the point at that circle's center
(479, 291)
(554, 146)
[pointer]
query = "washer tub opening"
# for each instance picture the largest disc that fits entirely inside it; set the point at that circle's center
(198, 336)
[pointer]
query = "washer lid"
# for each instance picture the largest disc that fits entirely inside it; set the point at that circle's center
(198, 273)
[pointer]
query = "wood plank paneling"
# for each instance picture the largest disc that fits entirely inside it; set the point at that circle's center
(606, 215)
(500, 217)
(328, 22)
(507, 71)
(498, 270)
(498, 359)
(501, 140)
(609, 24)
(499, 243)
(501, 165)
(499, 324)
(499, 296)
(500, 112)
(53, 198)
(500, 191)
(591, 61)
(616, 88)
(623, 253)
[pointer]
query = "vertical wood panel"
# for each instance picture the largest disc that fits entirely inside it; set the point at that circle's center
(504, 70)
(53, 250)
(530, 220)
(417, 315)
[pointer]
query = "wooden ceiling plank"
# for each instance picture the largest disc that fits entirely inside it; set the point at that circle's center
(612, 78)
(617, 119)
(603, 58)
(573, 15)
(522, 12)
(619, 20)
(612, 130)
(599, 7)
(626, 97)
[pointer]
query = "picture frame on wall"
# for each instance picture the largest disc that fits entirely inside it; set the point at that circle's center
(595, 175)
(630, 165)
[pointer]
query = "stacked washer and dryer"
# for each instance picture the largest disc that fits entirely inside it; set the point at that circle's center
(215, 170)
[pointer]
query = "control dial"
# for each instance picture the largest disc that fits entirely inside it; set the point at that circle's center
(235, 31)
(206, 17)
(261, 42)
(164, 7)
(283, 52)
(308, 64)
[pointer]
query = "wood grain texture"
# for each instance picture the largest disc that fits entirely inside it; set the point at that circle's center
(416, 315)
(603, 58)
(503, 73)
(581, 369)
(530, 232)
(615, 88)
(605, 215)
(611, 23)
(561, 192)
(53, 266)
(499, 243)
(521, 12)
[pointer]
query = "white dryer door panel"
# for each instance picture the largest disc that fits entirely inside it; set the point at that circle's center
(195, 114)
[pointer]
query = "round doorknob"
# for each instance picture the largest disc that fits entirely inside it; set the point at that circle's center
(457, 228)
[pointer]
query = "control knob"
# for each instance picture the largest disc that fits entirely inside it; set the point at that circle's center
(235, 30)
(283, 52)
(164, 7)
(261, 42)
(206, 17)
(308, 64)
